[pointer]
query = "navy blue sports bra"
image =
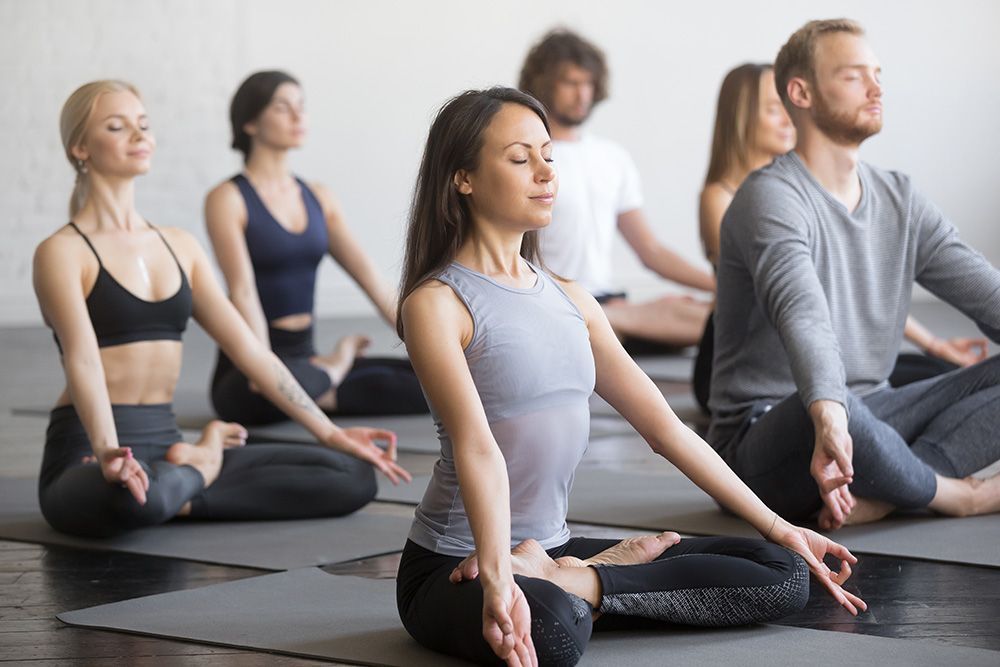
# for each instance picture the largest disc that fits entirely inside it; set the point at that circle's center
(284, 263)
(120, 317)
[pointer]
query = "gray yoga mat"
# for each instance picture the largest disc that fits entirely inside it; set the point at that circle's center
(415, 433)
(406, 494)
(310, 613)
(269, 545)
(674, 503)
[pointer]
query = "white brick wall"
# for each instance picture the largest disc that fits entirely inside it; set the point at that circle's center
(375, 71)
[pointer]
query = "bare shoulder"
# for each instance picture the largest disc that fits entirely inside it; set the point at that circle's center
(61, 247)
(715, 194)
(224, 203)
(432, 297)
(327, 199)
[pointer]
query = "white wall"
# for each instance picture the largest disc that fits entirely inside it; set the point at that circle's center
(374, 72)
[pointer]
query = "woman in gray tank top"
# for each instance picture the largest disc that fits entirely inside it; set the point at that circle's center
(508, 357)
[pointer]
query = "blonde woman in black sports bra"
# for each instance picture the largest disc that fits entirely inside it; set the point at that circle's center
(117, 293)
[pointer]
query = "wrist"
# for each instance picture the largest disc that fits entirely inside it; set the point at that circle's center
(826, 413)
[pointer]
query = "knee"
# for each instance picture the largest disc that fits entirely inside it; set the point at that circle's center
(561, 623)
(347, 486)
(791, 593)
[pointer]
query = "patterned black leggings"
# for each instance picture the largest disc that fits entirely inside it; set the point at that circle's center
(706, 581)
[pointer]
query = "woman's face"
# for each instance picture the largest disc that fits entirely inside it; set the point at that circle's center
(515, 184)
(117, 141)
(282, 123)
(774, 134)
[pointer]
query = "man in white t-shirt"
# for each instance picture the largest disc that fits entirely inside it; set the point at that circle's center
(599, 192)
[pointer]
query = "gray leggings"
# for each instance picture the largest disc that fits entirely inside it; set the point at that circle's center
(902, 437)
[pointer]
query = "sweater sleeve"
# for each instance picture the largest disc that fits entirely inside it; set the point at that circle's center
(951, 270)
(773, 222)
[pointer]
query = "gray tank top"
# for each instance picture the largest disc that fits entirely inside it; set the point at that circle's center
(532, 365)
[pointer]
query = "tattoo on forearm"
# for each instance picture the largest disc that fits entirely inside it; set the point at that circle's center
(293, 391)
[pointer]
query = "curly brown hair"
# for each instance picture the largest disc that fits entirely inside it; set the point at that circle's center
(559, 46)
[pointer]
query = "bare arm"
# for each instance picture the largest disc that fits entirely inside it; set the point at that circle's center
(657, 257)
(226, 221)
(58, 277)
(712, 206)
(223, 323)
(623, 384)
(438, 327)
(960, 351)
(347, 252)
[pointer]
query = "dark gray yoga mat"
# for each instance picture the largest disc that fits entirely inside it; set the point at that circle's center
(673, 502)
(269, 545)
(313, 614)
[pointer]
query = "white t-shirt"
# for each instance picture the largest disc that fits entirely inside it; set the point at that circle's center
(597, 182)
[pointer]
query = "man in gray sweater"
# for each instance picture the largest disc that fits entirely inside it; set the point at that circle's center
(819, 252)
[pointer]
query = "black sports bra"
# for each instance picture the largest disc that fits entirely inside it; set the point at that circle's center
(120, 317)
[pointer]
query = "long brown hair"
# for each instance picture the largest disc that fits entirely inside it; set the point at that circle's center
(440, 218)
(735, 120)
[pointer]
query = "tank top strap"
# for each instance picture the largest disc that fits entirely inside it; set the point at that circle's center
(87, 241)
(169, 248)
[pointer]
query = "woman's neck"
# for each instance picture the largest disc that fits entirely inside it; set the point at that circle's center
(495, 253)
(110, 203)
(268, 166)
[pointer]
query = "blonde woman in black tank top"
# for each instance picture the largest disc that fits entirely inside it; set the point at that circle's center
(117, 293)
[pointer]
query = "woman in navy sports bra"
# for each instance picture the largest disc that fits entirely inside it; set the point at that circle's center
(117, 293)
(270, 230)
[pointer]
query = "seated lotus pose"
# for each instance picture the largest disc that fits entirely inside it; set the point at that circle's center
(117, 293)
(752, 128)
(601, 193)
(270, 230)
(509, 356)
(818, 255)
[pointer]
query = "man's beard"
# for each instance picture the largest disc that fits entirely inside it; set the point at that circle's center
(569, 121)
(843, 127)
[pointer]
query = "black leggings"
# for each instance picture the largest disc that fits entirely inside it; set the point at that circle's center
(909, 368)
(705, 581)
(373, 386)
(257, 481)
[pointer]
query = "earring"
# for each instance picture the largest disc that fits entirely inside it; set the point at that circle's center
(81, 166)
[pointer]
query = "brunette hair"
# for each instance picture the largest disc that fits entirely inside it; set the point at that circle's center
(440, 217)
(735, 120)
(250, 99)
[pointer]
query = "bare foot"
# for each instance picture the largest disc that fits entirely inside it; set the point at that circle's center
(338, 362)
(205, 456)
(865, 511)
(635, 550)
(530, 560)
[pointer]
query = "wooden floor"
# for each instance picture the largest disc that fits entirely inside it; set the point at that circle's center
(946, 603)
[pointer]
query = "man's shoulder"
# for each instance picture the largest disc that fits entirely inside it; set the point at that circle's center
(775, 183)
(888, 179)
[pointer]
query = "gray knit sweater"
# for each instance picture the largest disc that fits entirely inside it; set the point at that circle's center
(813, 298)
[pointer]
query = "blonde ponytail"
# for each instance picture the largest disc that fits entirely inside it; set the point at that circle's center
(73, 125)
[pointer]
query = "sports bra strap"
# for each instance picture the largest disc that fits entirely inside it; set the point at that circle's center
(87, 241)
(162, 238)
